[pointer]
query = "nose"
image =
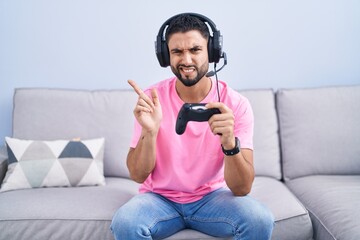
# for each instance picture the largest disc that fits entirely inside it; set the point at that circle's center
(187, 58)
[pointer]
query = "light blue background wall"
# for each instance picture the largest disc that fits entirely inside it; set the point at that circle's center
(89, 44)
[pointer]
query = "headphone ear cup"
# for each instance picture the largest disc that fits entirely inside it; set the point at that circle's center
(211, 50)
(165, 54)
(216, 46)
(162, 52)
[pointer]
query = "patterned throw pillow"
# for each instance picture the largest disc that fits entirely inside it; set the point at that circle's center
(59, 163)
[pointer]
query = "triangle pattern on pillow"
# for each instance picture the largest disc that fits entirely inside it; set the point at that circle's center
(18, 147)
(95, 146)
(15, 178)
(75, 149)
(36, 170)
(11, 156)
(56, 146)
(75, 168)
(89, 176)
(56, 177)
(37, 150)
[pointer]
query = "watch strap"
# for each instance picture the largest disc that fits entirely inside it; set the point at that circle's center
(233, 151)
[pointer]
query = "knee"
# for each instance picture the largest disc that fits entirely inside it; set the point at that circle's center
(261, 224)
(257, 222)
(117, 223)
(264, 221)
(125, 225)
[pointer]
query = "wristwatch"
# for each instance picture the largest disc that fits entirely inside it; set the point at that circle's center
(233, 151)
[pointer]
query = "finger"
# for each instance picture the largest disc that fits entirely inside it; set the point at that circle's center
(139, 109)
(222, 107)
(143, 103)
(224, 117)
(141, 93)
(221, 124)
(135, 87)
(155, 97)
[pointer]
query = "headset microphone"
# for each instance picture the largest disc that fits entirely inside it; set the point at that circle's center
(212, 73)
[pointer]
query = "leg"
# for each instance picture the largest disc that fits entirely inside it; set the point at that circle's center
(146, 216)
(222, 214)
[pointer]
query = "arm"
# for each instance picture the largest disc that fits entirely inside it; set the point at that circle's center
(141, 159)
(239, 170)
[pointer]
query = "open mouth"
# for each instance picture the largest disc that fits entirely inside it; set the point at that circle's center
(187, 70)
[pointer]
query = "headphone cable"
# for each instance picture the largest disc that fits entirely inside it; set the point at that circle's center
(217, 82)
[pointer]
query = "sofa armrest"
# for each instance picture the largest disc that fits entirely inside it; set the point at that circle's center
(3, 162)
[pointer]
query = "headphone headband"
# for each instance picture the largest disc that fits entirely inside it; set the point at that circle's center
(197, 15)
(214, 43)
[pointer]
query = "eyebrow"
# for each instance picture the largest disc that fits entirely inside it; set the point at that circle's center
(176, 50)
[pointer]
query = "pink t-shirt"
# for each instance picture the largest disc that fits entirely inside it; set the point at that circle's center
(190, 165)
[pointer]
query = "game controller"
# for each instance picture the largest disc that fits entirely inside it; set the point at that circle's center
(193, 112)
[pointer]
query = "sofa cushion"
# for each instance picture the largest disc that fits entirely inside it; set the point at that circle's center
(49, 114)
(332, 202)
(187, 234)
(266, 137)
(67, 213)
(320, 130)
(292, 220)
(74, 213)
(60, 163)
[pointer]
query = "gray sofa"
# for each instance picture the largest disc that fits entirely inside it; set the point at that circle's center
(307, 162)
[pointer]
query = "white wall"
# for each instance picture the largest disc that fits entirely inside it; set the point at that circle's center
(93, 44)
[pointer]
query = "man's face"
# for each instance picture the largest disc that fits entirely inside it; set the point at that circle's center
(188, 56)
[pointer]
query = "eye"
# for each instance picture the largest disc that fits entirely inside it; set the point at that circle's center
(176, 51)
(195, 50)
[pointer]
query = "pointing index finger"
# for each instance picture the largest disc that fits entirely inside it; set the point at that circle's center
(141, 93)
(135, 87)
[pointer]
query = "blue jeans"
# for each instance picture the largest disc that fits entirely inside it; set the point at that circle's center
(219, 214)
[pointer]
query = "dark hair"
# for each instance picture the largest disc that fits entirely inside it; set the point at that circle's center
(184, 23)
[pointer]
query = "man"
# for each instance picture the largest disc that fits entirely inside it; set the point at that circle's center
(200, 179)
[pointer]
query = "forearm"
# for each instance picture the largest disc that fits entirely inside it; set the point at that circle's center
(141, 160)
(239, 172)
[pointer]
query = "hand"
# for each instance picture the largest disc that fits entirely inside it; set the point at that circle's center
(147, 110)
(223, 124)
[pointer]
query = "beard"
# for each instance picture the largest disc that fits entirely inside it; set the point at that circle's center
(187, 81)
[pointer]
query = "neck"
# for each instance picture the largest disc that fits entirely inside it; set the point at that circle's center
(196, 93)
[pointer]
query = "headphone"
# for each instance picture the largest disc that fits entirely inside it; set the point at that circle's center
(215, 43)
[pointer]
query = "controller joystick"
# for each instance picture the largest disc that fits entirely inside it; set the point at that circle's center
(193, 112)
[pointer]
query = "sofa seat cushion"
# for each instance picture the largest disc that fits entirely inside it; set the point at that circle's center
(292, 220)
(333, 204)
(63, 213)
(86, 212)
